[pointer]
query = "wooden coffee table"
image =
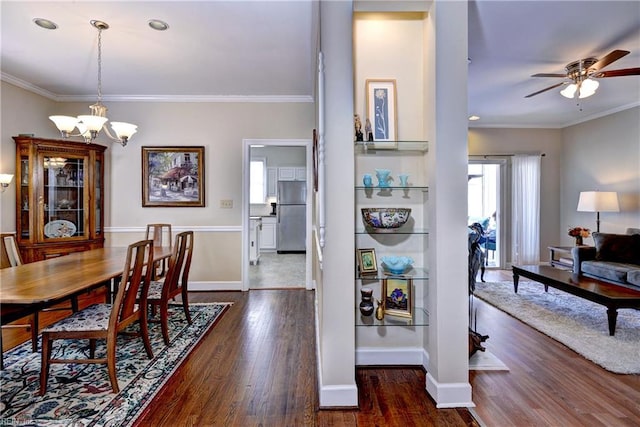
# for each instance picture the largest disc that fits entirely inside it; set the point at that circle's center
(608, 294)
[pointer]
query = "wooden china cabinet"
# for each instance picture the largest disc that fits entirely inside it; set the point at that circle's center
(59, 197)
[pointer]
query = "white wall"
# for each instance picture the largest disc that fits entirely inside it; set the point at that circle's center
(602, 154)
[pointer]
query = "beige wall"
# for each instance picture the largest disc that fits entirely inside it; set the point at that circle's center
(219, 127)
(492, 141)
(602, 154)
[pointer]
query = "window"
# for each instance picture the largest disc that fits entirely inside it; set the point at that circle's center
(257, 181)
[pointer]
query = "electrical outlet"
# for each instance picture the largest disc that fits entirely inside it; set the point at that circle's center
(226, 204)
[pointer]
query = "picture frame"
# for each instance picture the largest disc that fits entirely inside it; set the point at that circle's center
(315, 160)
(173, 176)
(382, 112)
(367, 262)
(397, 296)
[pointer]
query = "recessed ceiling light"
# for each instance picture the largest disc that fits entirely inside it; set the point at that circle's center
(474, 118)
(45, 23)
(157, 24)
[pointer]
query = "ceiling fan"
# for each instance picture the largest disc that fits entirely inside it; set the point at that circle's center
(580, 75)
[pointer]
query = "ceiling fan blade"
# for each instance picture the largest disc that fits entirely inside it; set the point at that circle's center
(608, 59)
(619, 73)
(548, 75)
(544, 90)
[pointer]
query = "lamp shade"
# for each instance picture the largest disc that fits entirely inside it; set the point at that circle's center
(5, 178)
(598, 201)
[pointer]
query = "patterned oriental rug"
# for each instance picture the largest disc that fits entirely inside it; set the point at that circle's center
(81, 394)
(577, 323)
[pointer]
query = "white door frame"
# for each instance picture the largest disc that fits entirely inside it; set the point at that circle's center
(246, 163)
(503, 220)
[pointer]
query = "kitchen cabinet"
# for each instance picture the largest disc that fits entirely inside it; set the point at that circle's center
(268, 233)
(301, 174)
(255, 226)
(272, 182)
(59, 197)
(292, 173)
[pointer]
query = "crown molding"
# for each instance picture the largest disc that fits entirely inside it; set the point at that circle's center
(157, 98)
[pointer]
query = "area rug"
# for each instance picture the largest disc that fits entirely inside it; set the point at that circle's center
(81, 394)
(577, 323)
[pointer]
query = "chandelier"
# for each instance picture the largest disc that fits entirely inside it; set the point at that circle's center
(89, 125)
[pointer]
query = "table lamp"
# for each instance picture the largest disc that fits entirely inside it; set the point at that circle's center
(598, 201)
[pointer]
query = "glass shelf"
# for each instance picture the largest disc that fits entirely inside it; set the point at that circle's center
(392, 231)
(416, 273)
(366, 147)
(390, 189)
(420, 317)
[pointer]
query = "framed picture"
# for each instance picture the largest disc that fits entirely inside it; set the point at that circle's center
(315, 160)
(173, 176)
(381, 112)
(367, 262)
(398, 299)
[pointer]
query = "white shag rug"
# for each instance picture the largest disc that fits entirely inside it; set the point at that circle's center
(575, 322)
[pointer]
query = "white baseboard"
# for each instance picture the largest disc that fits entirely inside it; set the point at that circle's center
(374, 356)
(215, 286)
(449, 395)
(338, 396)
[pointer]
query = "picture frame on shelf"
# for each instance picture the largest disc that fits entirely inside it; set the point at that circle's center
(398, 296)
(367, 262)
(381, 112)
(173, 176)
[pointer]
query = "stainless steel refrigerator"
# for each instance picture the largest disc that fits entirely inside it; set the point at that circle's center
(292, 218)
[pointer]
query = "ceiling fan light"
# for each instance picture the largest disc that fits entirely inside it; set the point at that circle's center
(93, 123)
(64, 123)
(588, 88)
(569, 91)
(124, 130)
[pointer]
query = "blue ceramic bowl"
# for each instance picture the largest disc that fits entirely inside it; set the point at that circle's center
(396, 264)
(385, 218)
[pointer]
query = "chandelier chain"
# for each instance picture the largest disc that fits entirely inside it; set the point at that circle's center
(99, 65)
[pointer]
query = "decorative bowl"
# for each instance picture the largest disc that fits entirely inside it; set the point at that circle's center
(396, 264)
(385, 218)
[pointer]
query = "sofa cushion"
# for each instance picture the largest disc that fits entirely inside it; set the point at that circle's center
(613, 271)
(633, 277)
(622, 248)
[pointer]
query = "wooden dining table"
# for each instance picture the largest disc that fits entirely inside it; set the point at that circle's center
(34, 286)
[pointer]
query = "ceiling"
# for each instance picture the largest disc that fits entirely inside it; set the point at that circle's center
(265, 50)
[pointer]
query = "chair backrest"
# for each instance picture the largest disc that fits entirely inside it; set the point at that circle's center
(179, 264)
(159, 233)
(137, 271)
(10, 256)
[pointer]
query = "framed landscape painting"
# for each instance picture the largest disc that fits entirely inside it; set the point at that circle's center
(381, 112)
(173, 176)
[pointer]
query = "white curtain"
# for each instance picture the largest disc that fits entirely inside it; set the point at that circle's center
(525, 210)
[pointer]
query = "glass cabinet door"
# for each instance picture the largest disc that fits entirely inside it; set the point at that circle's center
(24, 198)
(64, 197)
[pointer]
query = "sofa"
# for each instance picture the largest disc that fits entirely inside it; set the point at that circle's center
(614, 258)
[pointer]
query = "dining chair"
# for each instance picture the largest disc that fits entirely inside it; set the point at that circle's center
(161, 236)
(105, 321)
(174, 283)
(10, 257)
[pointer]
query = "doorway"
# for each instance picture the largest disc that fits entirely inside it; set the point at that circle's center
(486, 206)
(265, 162)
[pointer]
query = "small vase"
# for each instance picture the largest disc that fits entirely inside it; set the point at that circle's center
(366, 305)
(380, 310)
(578, 240)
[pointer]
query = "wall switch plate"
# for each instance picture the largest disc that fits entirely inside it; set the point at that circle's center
(226, 204)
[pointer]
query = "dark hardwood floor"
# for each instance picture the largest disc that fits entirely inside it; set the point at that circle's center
(257, 367)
